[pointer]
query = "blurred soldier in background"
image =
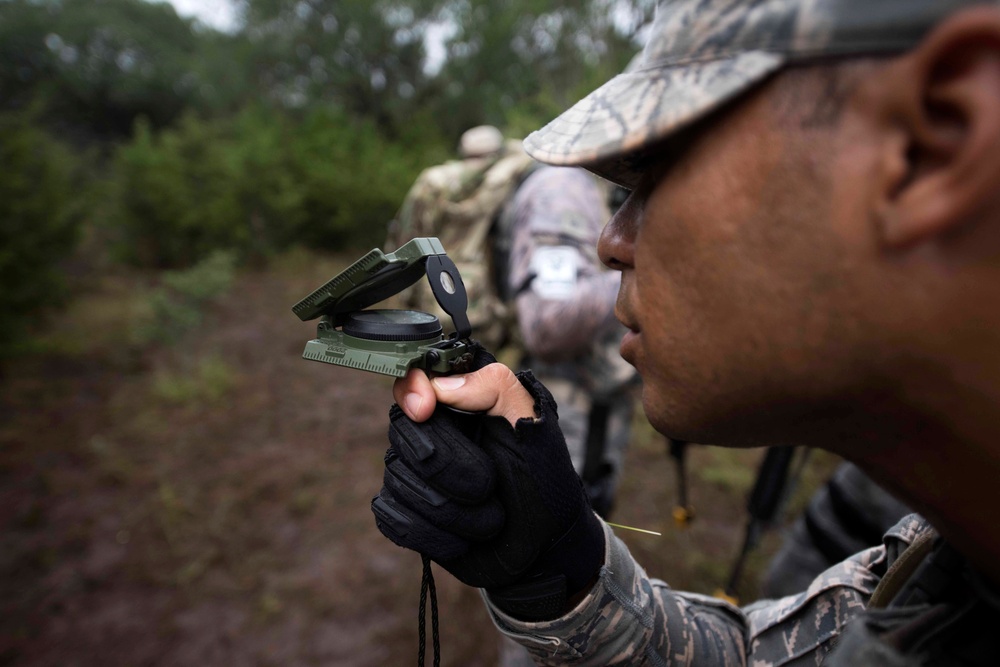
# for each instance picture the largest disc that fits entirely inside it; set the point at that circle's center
(458, 202)
(564, 301)
(524, 237)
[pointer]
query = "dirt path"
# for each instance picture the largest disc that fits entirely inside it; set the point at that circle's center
(207, 503)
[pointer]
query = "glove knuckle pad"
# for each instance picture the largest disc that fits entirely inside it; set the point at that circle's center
(411, 531)
(443, 457)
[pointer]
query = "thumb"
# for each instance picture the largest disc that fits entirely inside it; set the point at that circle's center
(493, 389)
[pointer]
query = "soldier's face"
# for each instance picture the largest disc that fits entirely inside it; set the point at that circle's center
(735, 255)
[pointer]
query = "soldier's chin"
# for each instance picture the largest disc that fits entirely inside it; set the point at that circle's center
(658, 416)
(677, 419)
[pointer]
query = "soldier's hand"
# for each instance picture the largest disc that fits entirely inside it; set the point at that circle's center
(492, 389)
(493, 498)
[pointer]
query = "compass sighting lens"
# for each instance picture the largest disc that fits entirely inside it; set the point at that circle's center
(447, 282)
(392, 325)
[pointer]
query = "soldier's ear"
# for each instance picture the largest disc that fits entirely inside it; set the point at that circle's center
(943, 102)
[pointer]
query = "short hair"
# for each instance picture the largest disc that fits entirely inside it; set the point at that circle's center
(814, 95)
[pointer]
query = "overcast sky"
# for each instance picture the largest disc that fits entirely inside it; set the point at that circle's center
(221, 15)
(218, 14)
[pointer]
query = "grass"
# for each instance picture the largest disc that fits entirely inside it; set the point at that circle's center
(726, 469)
(98, 323)
(208, 380)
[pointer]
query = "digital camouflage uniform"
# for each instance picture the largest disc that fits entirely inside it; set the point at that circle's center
(847, 514)
(631, 619)
(888, 605)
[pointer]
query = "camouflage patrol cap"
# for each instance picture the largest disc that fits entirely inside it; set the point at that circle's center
(703, 53)
(480, 141)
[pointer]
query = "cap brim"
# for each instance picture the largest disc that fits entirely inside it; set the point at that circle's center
(636, 109)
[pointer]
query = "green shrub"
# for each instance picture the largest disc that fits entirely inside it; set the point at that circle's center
(258, 184)
(176, 200)
(178, 304)
(38, 224)
(209, 381)
(353, 181)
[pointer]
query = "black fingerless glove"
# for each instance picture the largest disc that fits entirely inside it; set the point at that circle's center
(498, 507)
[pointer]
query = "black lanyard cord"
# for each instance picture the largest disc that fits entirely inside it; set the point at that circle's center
(427, 584)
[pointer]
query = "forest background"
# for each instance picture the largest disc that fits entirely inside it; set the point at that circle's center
(177, 486)
(154, 140)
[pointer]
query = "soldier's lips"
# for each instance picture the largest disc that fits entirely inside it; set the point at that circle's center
(629, 346)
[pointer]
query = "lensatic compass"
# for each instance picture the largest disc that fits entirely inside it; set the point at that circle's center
(388, 341)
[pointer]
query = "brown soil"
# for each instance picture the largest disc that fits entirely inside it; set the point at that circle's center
(156, 512)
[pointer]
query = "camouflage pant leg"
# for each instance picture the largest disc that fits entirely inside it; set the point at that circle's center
(574, 406)
(619, 433)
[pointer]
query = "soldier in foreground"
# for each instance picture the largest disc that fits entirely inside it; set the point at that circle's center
(810, 254)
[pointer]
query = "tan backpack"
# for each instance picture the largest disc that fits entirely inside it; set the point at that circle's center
(459, 203)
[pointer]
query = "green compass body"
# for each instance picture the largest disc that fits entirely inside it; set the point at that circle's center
(390, 342)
